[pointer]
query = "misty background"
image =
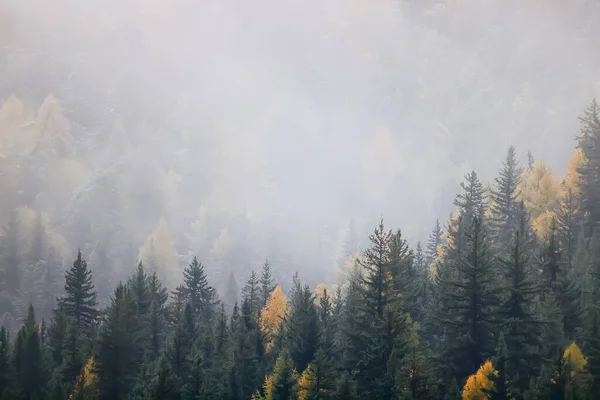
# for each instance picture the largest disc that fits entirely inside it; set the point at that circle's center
(236, 130)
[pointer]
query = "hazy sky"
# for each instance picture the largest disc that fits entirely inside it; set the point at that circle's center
(311, 112)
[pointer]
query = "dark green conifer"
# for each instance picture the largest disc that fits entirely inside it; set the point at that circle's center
(79, 301)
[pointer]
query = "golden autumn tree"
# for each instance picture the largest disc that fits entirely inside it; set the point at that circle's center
(159, 255)
(271, 315)
(86, 384)
(571, 178)
(478, 382)
(541, 194)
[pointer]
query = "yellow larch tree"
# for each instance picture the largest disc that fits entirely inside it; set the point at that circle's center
(86, 384)
(571, 179)
(271, 315)
(473, 389)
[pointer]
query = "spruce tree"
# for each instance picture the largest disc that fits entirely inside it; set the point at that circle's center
(199, 293)
(266, 283)
(301, 326)
(72, 357)
(517, 313)
(31, 375)
(567, 225)
(57, 332)
(346, 388)
(251, 294)
(591, 329)
(140, 290)
(436, 239)
(319, 382)
(466, 302)
(504, 203)
(284, 379)
(79, 301)
(589, 172)
(231, 292)
(119, 346)
(6, 376)
(163, 384)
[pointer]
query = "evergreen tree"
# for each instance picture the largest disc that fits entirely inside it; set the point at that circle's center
(163, 384)
(119, 346)
(567, 225)
(158, 293)
(252, 296)
(381, 327)
(346, 388)
(140, 290)
(504, 204)
(436, 239)
(517, 312)
(72, 357)
(466, 303)
(199, 293)
(28, 362)
(5, 367)
(284, 380)
(79, 301)
(589, 172)
(318, 380)
(57, 332)
(180, 343)
(501, 385)
(266, 283)
(175, 308)
(591, 328)
(301, 326)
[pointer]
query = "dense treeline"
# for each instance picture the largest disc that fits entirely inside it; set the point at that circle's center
(502, 303)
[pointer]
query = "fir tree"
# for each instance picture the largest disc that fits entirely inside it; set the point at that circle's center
(589, 172)
(346, 388)
(57, 332)
(28, 362)
(72, 357)
(5, 367)
(163, 384)
(517, 312)
(79, 301)
(175, 308)
(284, 380)
(251, 294)
(436, 239)
(318, 380)
(466, 303)
(504, 206)
(140, 290)
(119, 346)
(231, 293)
(266, 283)
(302, 326)
(567, 228)
(199, 293)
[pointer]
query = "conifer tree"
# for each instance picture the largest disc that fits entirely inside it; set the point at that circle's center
(140, 290)
(119, 346)
(28, 361)
(436, 239)
(199, 293)
(175, 308)
(318, 380)
(251, 294)
(346, 388)
(5, 367)
(158, 293)
(180, 343)
(522, 327)
(504, 203)
(466, 304)
(284, 380)
(591, 329)
(567, 229)
(589, 172)
(56, 334)
(79, 301)
(72, 357)
(301, 326)
(163, 384)
(266, 283)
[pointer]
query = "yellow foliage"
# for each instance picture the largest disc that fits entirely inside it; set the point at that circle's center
(86, 384)
(159, 255)
(541, 224)
(304, 384)
(271, 315)
(441, 256)
(572, 176)
(541, 194)
(320, 291)
(474, 386)
(575, 359)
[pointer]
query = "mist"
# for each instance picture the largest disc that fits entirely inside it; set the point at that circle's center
(276, 129)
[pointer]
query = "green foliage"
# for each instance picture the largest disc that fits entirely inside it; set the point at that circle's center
(79, 301)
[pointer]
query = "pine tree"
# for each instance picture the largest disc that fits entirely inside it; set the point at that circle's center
(140, 290)
(381, 327)
(266, 283)
(284, 378)
(163, 385)
(466, 302)
(301, 326)
(158, 293)
(5, 367)
(175, 308)
(318, 380)
(504, 206)
(119, 346)
(567, 228)
(522, 327)
(30, 370)
(557, 275)
(199, 293)
(180, 343)
(589, 172)
(79, 301)
(56, 334)
(436, 239)
(251, 294)
(72, 357)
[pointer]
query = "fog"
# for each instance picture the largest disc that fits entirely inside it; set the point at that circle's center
(267, 128)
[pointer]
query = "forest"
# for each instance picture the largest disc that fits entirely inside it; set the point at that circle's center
(299, 200)
(502, 302)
